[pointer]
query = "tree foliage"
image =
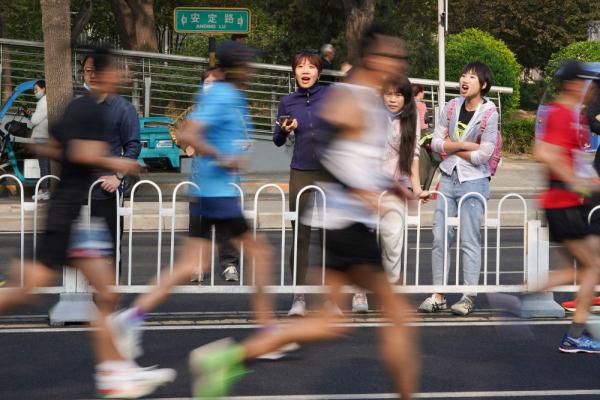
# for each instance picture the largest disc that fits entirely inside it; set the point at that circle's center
(476, 45)
(580, 51)
(533, 29)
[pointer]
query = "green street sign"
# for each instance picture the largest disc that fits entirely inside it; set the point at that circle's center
(211, 21)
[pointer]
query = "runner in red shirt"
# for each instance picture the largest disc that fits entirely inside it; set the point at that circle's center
(565, 205)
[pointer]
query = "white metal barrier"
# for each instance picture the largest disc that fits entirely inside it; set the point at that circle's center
(22, 224)
(535, 246)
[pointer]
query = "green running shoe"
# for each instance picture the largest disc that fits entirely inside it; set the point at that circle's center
(216, 367)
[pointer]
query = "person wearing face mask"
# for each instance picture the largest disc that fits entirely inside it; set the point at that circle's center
(297, 117)
(39, 124)
(400, 163)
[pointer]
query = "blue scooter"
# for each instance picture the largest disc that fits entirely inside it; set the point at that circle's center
(11, 128)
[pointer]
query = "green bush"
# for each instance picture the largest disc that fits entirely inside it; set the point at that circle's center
(476, 45)
(518, 135)
(580, 51)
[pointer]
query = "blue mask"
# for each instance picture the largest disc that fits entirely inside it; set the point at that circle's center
(39, 95)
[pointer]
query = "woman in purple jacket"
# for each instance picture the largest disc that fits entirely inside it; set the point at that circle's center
(297, 118)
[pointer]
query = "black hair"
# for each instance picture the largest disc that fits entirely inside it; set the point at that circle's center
(408, 125)
(483, 72)
(417, 88)
(41, 84)
(102, 57)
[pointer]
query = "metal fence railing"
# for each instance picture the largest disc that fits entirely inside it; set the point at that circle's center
(161, 84)
(493, 276)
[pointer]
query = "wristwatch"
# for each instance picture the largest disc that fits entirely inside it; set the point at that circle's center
(120, 176)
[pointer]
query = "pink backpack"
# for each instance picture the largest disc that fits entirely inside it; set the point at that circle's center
(496, 157)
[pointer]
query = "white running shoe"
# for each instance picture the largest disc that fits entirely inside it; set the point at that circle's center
(360, 303)
(133, 382)
(126, 333)
(42, 195)
(298, 307)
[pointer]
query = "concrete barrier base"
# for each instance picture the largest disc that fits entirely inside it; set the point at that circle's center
(540, 305)
(73, 308)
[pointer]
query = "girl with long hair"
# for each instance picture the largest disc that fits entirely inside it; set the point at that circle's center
(400, 163)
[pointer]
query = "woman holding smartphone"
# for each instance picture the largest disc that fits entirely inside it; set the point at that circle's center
(297, 116)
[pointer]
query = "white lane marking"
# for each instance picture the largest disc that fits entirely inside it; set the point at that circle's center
(207, 327)
(425, 395)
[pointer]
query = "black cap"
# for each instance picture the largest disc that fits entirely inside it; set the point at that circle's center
(572, 70)
(234, 54)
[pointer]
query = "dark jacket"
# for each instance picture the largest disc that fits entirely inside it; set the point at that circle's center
(123, 136)
(303, 105)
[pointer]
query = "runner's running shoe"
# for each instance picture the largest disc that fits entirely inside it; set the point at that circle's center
(583, 344)
(126, 332)
(571, 304)
(215, 367)
(132, 382)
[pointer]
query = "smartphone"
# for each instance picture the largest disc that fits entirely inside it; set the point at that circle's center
(282, 118)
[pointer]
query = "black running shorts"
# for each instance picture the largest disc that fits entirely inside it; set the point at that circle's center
(352, 246)
(200, 227)
(570, 223)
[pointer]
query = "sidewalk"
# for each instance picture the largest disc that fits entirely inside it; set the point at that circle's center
(519, 176)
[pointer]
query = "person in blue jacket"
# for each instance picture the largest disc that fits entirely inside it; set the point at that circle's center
(296, 122)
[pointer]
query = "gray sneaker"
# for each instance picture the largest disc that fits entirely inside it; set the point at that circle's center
(230, 274)
(431, 305)
(464, 306)
(360, 303)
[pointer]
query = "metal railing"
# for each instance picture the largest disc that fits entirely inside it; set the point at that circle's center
(161, 84)
(534, 269)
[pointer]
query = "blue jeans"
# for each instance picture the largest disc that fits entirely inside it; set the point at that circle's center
(471, 218)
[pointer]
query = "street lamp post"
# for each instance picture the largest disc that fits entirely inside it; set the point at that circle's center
(442, 28)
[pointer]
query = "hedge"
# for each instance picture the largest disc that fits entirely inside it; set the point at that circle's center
(518, 136)
(476, 45)
(580, 51)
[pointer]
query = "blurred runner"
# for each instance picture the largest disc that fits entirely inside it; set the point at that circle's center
(217, 131)
(79, 142)
(354, 133)
(560, 151)
(592, 112)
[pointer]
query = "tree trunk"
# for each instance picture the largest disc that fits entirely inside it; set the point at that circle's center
(144, 25)
(83, 17)
(135, 21)
(125, 26)
(56, 23)
(359, 16)
(6, 78)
